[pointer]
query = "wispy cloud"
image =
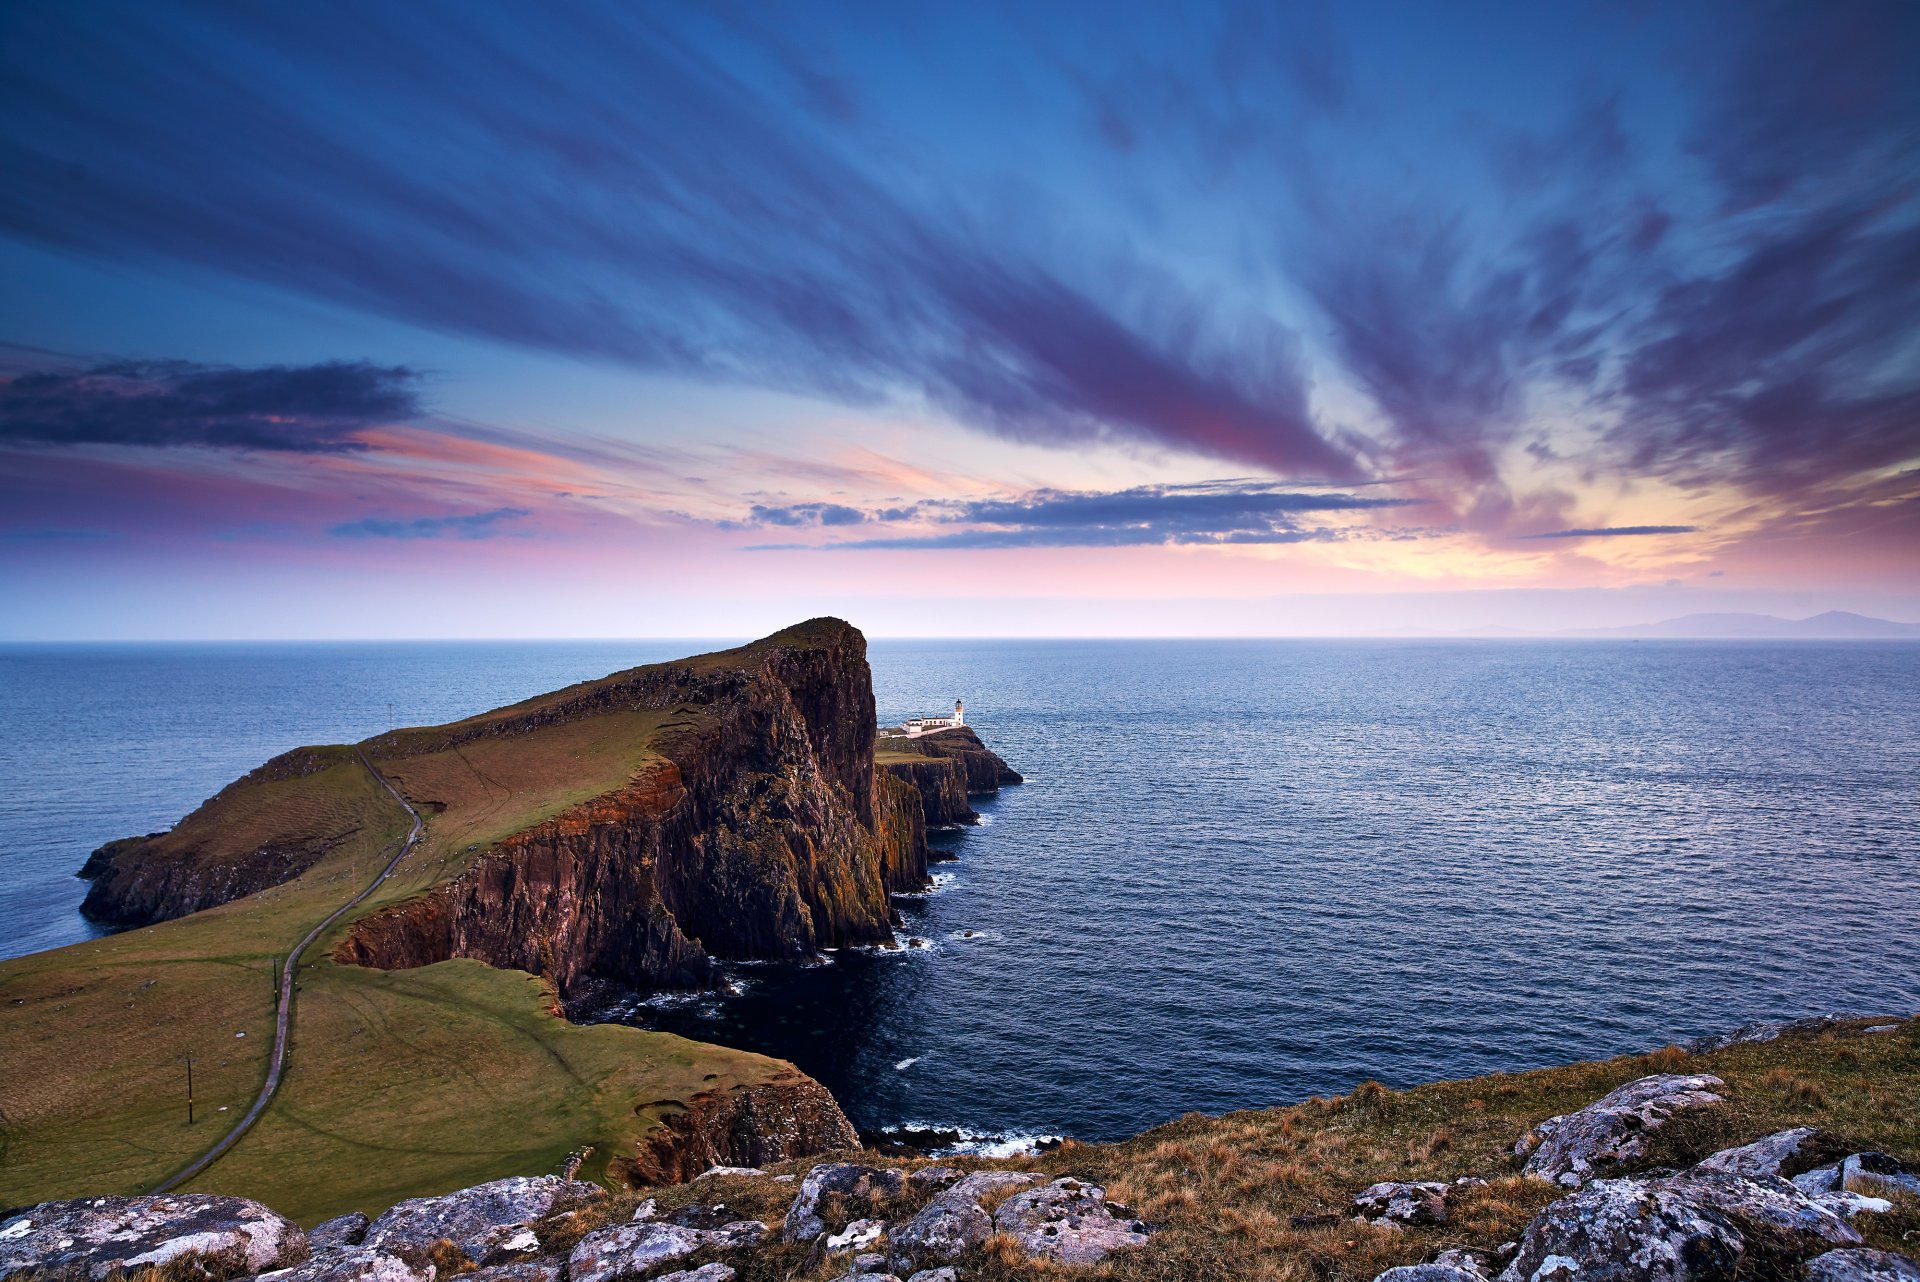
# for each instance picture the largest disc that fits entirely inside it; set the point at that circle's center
(304, 409)
(1216, 512)
(474, 525)
(1610, 531)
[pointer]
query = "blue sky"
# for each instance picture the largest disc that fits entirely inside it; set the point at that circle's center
(343, 320)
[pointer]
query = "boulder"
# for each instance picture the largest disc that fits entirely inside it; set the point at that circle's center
(1574, 1147)
(1877, 1174)
(96, 1235)
(713, 1171)
(631, 1250)
(341, 1230)
(945, 1273)
(1769, 1211)
(1434, 1272)
(523, 1271)
(1403, 1202)
(1862, 1266)
(954, 1222)
(857, 1236)
(935, 1175)
(1626, 1231)
(851, 1181)
(1067, 1221)
(715, 1272)
(353, 1264)
(1821, 1179)
(490, 1223)
(1762, 1157)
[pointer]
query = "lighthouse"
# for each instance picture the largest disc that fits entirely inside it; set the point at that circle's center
(959, 713)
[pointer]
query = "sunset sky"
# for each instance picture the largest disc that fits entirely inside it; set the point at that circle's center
(416, 320)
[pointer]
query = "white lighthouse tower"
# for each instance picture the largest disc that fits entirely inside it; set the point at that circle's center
(959, 713)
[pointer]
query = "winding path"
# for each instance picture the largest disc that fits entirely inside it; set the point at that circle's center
(283, 1027)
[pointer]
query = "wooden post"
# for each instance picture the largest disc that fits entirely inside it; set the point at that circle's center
(189, 1090)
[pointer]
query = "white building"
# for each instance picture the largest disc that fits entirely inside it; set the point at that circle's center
(917, 726)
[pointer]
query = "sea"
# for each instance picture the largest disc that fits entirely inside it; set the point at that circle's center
(1240, 873)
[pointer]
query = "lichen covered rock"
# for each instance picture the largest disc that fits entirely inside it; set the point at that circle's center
(1862, 1266)
(491, 1223)
(850, 1182)
(95, 1236)
(1068, 1221)
(954, 1222)
(1611, 1131)
(1403, 1202)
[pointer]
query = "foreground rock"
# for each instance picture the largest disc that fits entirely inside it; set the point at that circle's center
(490, 1223)
(1862, 1266)
(633, 1250)
(1612, 1131)
(355, 1264)
(1069, 1222)
(1403, 1202)
(95, 1236)
(849, 1182)
(955, 1222)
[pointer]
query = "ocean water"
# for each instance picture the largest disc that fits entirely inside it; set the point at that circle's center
(1241, 872)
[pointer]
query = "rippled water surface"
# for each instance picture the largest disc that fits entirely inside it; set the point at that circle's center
(1241, 872)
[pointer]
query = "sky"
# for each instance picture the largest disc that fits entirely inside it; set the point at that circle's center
(470, 319)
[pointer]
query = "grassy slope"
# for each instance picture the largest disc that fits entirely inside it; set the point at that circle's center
(397, 1083)
(1223, 1189)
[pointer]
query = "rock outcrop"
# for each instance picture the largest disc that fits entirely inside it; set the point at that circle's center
(787, 1117)
(946, 768)
(490, 1223)
(1612, 1130)
(97, 1236)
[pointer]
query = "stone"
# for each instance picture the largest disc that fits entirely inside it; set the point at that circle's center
(490, 1223)
(1768, 1030)
(945, 1273)
(1846, 1204)
(1765, 1209)
(354, 1264)
(1472, 1263)
(850, 1180)
(713, 1171)
(520, 1271)
(860, 1233)
(1877, 1174)
(1403, 1202)
(96, 1235)
(1862, 1266)
(954, 1222)
(715, 1272)
(341, 1230)
(629, 1250)
(1574, 1147)
(1762, 1157)
(869, 1262)
(935, 1175)
(1821, 1179)
(1067, 1221)
(1626, 1231)
(1433, 1272)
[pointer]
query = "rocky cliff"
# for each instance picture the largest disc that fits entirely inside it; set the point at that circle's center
(946, 768)
(635, 828)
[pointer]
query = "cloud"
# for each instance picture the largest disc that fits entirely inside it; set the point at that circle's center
(1216, 512)
(306, 409)
(476, 525)
(802, 514)
(1610, 531)
(667, 209)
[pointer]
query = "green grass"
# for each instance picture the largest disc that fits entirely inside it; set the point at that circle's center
(398, 1083)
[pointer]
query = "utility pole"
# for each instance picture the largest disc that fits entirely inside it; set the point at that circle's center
(189, 1090)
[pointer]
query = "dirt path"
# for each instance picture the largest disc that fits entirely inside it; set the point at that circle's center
(283, 1027)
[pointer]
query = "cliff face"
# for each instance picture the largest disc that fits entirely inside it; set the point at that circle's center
(791, 1116)
(946, 768)
(941, 786)
(755, 835)
(232, 845)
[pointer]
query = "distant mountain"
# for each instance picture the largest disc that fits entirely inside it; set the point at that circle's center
(1834, 625)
